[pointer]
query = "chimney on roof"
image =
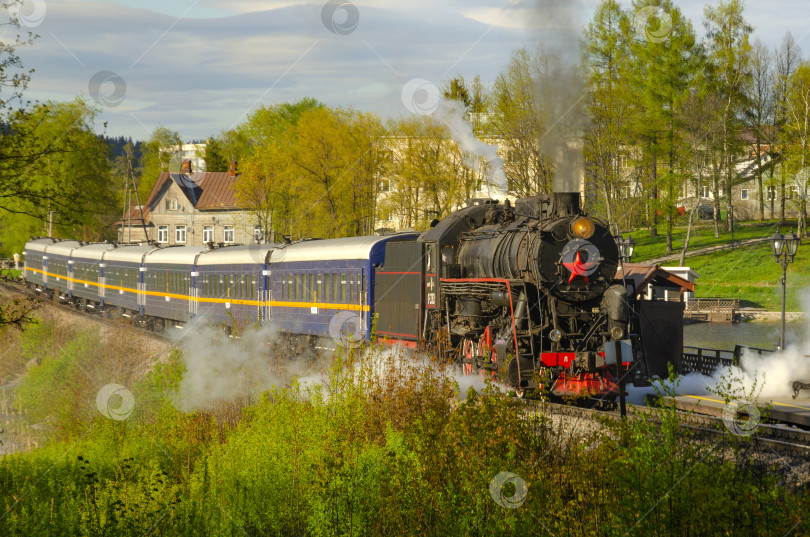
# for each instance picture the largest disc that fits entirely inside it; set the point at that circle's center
(185, 168)
(233, 167)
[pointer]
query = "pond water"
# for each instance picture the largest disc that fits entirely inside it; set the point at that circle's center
(726, 336)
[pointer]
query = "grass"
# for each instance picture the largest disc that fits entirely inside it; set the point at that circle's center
(384, 447)
(751, 274)
(702, 236)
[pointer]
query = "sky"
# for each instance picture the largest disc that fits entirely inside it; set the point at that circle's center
(201, 66)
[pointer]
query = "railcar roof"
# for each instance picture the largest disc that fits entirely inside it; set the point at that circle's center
(92, 251)
(130, 253)
(237, 255)
(181, 255)
(37, 245)
(61, 247)
(332, 249)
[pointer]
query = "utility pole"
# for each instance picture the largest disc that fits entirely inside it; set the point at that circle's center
(131, 179)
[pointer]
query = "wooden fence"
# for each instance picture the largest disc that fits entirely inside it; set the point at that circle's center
(714, 310)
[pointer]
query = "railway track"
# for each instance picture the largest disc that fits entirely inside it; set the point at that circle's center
(780, 438)
(13, 288)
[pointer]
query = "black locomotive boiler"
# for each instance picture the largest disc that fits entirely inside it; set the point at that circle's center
(526, 294)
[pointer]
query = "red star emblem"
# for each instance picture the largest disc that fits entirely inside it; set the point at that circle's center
(578, 268)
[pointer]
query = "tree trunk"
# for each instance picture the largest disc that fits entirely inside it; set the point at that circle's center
(682, 259)
(770, 180)
(654, 220)
(782, 200)
(729, 182)
(606, 193)
(759, 181)
(716, 205)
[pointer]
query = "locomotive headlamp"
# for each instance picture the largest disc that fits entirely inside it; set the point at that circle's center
(555, 335)
(583, 227)
(617, 332)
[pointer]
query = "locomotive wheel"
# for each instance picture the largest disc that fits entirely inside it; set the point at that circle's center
(468, 355)
(486, 353)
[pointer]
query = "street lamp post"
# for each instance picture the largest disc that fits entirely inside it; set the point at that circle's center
(626, 247)
(784, 249)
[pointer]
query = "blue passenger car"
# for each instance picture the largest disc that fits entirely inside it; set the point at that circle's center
(122, 278)
(59, 271)
(230, 282)
(313, 282)
(34, 269)
(87, 271)
(167, 282)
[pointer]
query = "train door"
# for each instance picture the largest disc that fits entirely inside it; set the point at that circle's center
(194, 293)
(69, 279)
(102, 287)
(141, 289)
(265, 295)
(431, 260)
(362, 285)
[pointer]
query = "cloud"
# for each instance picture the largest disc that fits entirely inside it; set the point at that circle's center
(201, 75)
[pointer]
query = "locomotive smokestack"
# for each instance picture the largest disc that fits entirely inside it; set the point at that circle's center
(566, 203)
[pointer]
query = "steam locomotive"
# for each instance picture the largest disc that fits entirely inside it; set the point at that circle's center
(525, 294)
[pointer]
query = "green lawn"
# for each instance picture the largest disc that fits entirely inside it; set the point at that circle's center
(751, 274)
(702, 236)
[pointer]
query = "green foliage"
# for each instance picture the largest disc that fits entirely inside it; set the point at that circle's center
(54, 161)
(214, 156)
(383, 448)
(516, 117)
(158, 153)
(310, 170)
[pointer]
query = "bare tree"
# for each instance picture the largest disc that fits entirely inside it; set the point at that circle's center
(787, 61)
(759, 114)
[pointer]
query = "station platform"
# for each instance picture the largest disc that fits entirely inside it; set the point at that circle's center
(784, 409)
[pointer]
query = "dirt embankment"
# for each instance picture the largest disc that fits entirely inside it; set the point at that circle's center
(121, 353)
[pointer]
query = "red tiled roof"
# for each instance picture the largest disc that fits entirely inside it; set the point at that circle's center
(640, 275)
(209, 190)
(218, 191)
(135, 215)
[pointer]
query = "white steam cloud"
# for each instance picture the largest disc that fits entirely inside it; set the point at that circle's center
(452, 114)
(765, 376)
(223, 370)
(220, 369)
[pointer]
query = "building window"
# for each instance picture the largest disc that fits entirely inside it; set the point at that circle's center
(771, 193)
(208, 234)
(179, 234)
(384, 185)
(792, 192)
(163, 234)
(228, 233)
(744, 194)
(171, 204)
(704, 191)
